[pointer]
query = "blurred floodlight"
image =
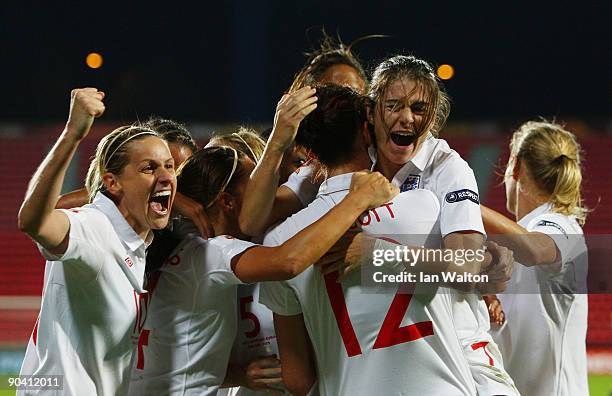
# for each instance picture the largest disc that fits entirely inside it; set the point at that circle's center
(446, 72)
(94, 60)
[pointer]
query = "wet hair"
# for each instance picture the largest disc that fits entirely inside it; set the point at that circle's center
(422, 73)
(330, 53)
(330, 132)
(245, 140)
(172, 131)
(112, 155)
(552, 157)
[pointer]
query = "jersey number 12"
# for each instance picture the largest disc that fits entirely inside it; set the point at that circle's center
(391, 332)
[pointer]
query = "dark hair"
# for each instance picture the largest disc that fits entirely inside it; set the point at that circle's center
(208, 172)
(172, 131)
(201, 177)
(421, 72)
(330, 53)
(331, 130)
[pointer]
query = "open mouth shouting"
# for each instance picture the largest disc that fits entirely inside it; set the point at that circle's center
(403, 138)
(160, 202)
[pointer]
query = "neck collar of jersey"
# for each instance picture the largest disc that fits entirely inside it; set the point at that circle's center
(544, 208)
(336, 184)
(124, 230)
(419, 160)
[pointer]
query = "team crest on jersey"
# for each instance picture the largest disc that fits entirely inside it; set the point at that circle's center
(462, 195)
(546, 223)
(412, 182)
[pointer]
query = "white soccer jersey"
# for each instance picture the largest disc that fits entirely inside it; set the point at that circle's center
(367, 343)
(438, 168)
(543, 339)
(255, 337)
(88, 324)
(191, 323)
(300, 182)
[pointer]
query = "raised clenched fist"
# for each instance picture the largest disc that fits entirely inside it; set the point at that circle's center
(85, 105)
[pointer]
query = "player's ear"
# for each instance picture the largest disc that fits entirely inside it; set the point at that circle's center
(112, 184)
(227, 202)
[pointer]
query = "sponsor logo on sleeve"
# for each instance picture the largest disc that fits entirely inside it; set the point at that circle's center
(412, 182)
(462, 195)
(546, 223)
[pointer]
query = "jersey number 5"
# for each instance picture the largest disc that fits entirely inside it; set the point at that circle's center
(390, 334)
(246, 315)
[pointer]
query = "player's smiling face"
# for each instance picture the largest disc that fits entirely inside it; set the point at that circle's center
(147, 185)
(398, 121)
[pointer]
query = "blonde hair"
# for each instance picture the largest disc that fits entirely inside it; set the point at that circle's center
(112, 156)
(552, 157)
(245, 140)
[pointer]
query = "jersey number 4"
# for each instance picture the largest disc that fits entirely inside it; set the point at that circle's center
(390, 334)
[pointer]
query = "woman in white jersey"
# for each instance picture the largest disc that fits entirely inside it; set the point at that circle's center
(410, 108)
(255, 351)
(543, 339)
(87, 327)
(191, 323)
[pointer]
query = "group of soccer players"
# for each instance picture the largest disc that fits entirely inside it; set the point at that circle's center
(135, 302)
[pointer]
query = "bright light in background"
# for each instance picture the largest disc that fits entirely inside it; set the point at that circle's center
(446, 72)
(94, 60)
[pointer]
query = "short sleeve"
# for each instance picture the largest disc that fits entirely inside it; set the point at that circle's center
(280, 298)
(457, 192)
(218, 254)
(300, 182)
(88, 229)
(556, 228)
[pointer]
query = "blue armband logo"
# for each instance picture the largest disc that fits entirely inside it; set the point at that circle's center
(462, 195)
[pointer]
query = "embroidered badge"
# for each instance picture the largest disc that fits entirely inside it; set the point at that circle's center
(462, 195)
(412, 182)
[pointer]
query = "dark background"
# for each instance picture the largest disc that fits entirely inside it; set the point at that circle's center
(230, 61)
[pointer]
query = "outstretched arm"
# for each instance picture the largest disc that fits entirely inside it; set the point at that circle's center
(262, 193)
(38, 217)
(306, 247)
(530, 248)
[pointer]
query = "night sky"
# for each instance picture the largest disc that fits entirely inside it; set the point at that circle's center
(231, 61)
